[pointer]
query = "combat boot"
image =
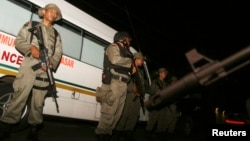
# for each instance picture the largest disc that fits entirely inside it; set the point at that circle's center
(103, 137)
(5, 130)
(34, 133)
(107, 137)
(116, 135)
(128, 136)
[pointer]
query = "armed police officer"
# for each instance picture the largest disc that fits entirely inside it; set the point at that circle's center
(157, 122)
(136, 92)
(116, 73)
(29, 82)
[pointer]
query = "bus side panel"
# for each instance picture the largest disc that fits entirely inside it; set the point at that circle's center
(10, 59)
(73, 108)
(76, 90)
(79, 73)
(76, 82)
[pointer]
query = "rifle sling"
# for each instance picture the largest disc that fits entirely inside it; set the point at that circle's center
(40, 88)
(34, 23)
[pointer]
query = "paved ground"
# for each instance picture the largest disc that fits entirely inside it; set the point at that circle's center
(57, 130)
(75, 130)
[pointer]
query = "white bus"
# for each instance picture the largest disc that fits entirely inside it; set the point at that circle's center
(79, 74)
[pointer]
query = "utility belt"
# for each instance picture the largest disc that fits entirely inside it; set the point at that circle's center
(123, 79)
(44, 80)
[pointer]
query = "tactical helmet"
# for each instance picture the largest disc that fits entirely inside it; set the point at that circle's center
(51, 6)
(121, 35)
(138, 55)
(162, 70)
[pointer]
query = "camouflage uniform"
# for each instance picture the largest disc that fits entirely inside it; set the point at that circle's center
(32, 83)
(110, 114)
(26, 77)
(131, 111)
(157, 118)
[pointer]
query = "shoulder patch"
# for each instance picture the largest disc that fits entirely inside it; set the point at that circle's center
(26, 24)
(113, 45)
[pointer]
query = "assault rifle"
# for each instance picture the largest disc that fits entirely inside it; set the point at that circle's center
(140, 87)
(140, 81)
(203, 75)
(37, 31)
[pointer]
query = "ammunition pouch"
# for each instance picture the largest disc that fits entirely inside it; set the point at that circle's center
(105, 95)
(106, 76)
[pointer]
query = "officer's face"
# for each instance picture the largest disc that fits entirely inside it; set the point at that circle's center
(127, 41)
(163, 74)
(50, 15)
(139, 62)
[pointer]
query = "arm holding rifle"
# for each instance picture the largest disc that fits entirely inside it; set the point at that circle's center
(54, 55)
(139, 90)
(138, 76)
(45, 60)
(31, 84)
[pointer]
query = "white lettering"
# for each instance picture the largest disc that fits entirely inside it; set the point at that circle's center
(7, 40)
(217, 132)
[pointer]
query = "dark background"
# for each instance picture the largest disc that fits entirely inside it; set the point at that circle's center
(165, 30)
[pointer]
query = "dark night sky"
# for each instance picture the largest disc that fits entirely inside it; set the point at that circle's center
(164, 31)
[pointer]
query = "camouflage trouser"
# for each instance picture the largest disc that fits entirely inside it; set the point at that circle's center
(110, 114)
(131, 113)
(157, 120)
(171, 117)
(23, 84)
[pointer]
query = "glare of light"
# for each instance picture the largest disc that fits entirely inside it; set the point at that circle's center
(228, 121)
(217, 115)
(216, 110)
(223, 116)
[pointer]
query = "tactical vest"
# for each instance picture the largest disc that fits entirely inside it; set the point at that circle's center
(161, 84)
(35, 23)
(106, 76)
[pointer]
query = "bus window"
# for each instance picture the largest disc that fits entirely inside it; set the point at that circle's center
(9, 17)
(71, 41)
(71, 38)
(86, 49)
(92, 52)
